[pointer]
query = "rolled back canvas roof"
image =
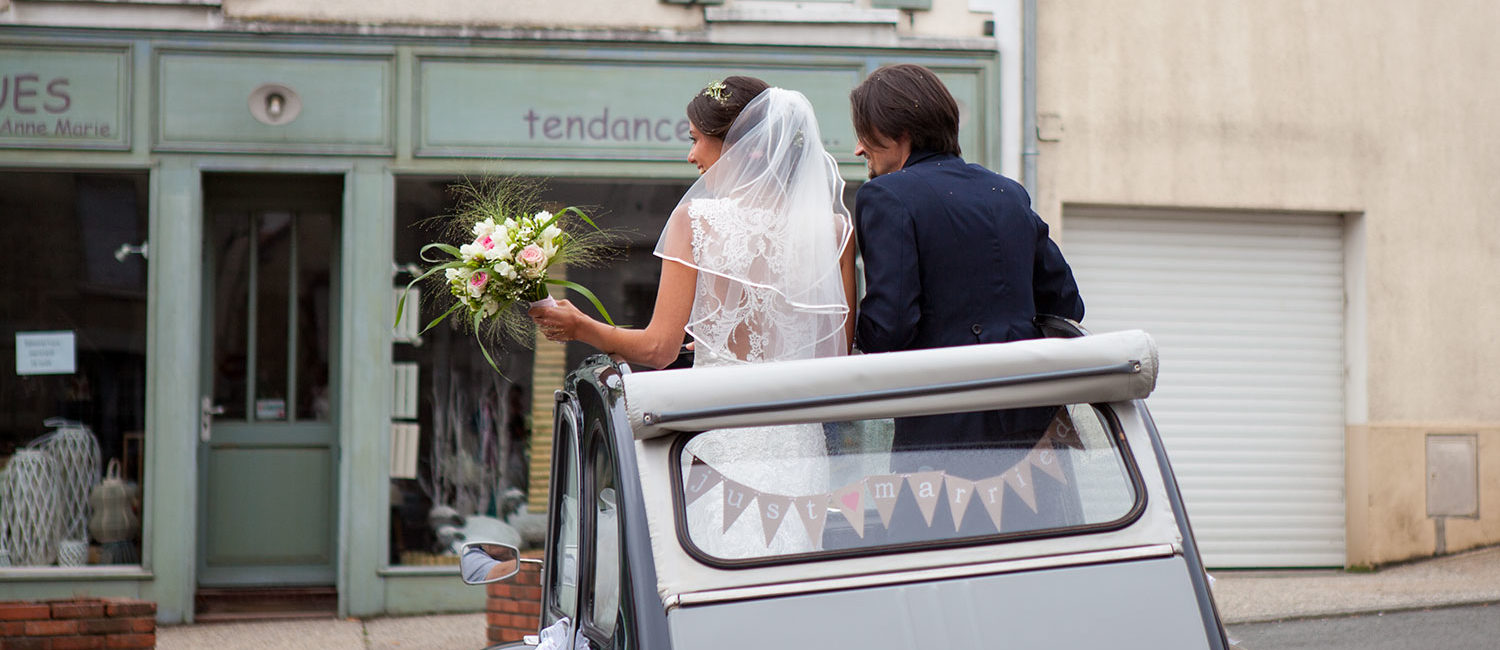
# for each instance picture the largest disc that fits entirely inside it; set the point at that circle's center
(1100, 368)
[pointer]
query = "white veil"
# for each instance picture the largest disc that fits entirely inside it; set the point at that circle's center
(765, 227)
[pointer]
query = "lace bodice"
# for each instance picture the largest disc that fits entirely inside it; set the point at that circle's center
(734, 320)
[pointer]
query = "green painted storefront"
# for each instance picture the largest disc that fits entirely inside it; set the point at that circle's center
(350, 116)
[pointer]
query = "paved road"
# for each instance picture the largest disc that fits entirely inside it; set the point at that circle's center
(1471, 627)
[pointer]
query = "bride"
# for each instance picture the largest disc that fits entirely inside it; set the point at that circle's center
(757, 266)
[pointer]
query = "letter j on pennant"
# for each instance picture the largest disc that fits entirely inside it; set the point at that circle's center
(701, 478)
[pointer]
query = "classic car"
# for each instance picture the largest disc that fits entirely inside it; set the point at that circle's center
(1011, 495)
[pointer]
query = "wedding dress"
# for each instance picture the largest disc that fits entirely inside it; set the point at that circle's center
(765, 228)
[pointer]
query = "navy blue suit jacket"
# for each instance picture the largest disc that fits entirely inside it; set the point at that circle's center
(954, 255)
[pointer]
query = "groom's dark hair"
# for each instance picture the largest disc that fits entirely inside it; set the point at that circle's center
(906, 99)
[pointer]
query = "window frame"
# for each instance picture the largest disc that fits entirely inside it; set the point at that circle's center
(567, 415)
(598, 442)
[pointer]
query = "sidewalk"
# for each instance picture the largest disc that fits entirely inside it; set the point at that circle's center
(441, 632)
(1257, 596)
(1242, 597)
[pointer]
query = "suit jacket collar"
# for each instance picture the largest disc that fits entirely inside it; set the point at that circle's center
(922, 155)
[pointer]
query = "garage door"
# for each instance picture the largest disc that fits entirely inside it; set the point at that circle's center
(1248, 312)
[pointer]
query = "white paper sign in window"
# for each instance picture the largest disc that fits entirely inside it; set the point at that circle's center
(45, 353)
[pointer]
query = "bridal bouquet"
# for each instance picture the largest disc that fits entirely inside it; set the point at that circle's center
(502, 271)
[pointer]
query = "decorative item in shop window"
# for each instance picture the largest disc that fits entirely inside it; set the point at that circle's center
(75, 453)
(114, 523)
(72, 552)
(5, 510)
(503, 269)
(466, 449)
(32, 515)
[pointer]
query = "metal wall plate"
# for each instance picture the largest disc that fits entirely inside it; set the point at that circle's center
(1452, 475)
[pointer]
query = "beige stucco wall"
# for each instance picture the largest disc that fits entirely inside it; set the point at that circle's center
(1387, 504)
(945, 19)
(1374, 108)
(585, 14)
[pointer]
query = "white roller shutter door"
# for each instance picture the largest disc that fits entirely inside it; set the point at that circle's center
(1248, 311)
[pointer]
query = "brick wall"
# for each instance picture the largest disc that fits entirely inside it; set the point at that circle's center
(77, 624)
(514, 607)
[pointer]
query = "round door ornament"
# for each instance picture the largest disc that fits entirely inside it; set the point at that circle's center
(275, 104)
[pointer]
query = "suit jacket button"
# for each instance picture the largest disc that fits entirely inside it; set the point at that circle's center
(976, 329)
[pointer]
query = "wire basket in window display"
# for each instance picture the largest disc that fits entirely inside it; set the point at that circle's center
(503, 268)
(75, 452)
(32, 512)
(5, 510)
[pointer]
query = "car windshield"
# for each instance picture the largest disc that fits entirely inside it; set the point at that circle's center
(746, 495)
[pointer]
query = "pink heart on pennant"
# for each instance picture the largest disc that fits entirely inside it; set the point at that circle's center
(850, 500)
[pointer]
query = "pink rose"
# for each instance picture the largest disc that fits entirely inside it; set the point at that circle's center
(478, 280)
(486, 242)
(533, 258)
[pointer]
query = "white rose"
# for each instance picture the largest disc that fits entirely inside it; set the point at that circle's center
(533, 260)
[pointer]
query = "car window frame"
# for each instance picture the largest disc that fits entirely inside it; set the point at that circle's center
(566, 414)
(1107, 416)
(598, 440)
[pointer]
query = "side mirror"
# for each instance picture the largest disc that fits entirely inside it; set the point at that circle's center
(486, 562)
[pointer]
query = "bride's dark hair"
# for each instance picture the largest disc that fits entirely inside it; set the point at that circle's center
(714, 108)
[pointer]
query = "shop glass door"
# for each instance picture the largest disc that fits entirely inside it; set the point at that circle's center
(268, 441)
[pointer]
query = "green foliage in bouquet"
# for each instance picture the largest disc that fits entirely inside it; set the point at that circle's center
(512, 243)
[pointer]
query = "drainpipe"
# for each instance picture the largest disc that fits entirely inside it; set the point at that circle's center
(1028, 97)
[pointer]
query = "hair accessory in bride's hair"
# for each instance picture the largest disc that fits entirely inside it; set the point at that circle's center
(718, 92)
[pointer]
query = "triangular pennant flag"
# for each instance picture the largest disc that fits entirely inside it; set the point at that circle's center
(1044, 457)
(959, 492)
(736, 498)
(1019, 479)
(927, 487)
(991, 493)
(1061, 429)
(813, 511)
(883, 491)
(773, 510)
(701, 479)
(850, 500)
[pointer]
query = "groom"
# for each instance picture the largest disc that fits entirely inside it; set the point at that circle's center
(953, 255)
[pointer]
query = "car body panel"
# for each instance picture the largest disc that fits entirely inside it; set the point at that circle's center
(1135, 605)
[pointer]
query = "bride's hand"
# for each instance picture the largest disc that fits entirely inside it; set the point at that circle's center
(559, 323)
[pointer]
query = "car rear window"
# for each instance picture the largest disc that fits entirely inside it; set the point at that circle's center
(756, 494)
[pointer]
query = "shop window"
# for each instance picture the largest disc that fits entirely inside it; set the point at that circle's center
(72, 367)
(460, 432)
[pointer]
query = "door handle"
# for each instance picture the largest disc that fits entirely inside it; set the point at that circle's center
(207, 409)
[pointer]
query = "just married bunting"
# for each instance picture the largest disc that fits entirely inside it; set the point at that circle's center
(927, 487)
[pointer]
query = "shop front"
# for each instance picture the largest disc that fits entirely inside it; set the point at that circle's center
(210, 231)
